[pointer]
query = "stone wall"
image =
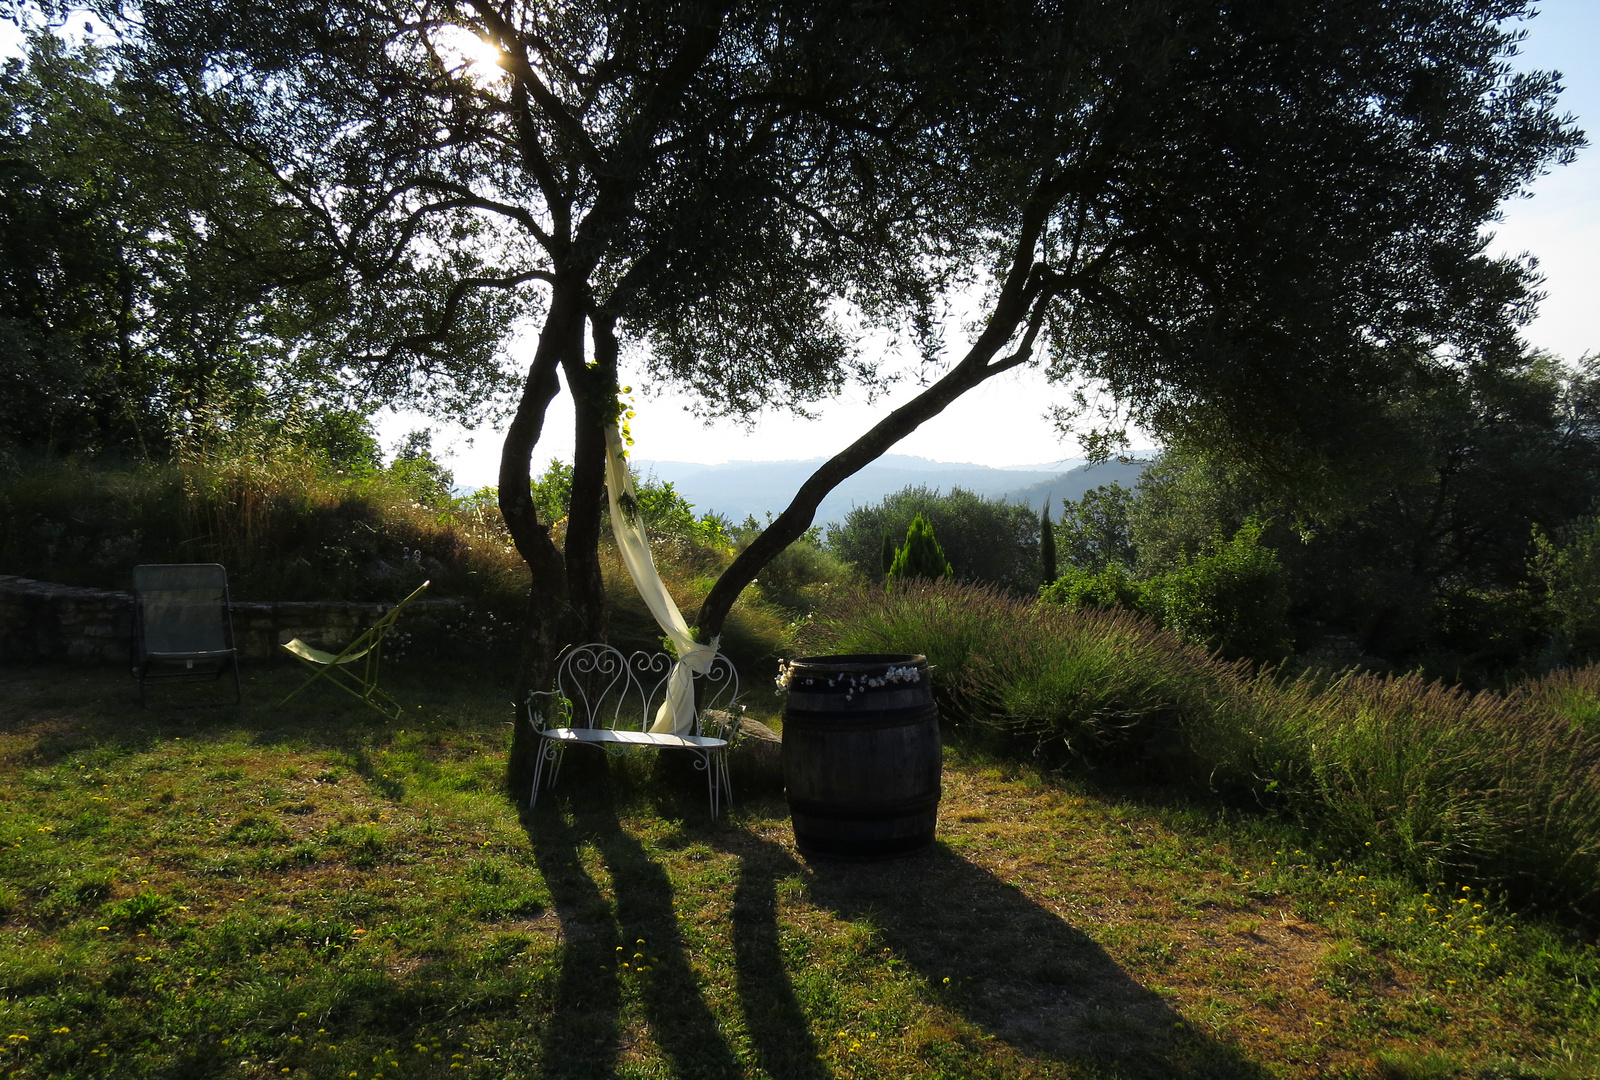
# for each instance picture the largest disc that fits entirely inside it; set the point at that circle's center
(41, 621)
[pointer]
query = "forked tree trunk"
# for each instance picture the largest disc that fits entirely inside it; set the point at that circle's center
(548, 606)
(594, 398)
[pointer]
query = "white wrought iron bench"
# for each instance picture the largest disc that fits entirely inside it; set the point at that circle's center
(603, 698)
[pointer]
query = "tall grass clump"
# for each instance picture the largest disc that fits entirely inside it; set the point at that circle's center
(1078, 679)
(1499, 789)
(289, 524)
(286, 524)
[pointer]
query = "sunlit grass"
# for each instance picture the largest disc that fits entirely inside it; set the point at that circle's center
(212, 892)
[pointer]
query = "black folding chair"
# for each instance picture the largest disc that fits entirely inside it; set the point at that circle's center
(182, 624)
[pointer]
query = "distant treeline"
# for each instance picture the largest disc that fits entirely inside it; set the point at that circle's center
(1459, 537)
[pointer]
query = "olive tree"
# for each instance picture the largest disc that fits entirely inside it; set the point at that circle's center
(1244, 222)
(1230, 216)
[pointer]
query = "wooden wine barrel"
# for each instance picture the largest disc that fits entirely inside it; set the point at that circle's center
(861, 755)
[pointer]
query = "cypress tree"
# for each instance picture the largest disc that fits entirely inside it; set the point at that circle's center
(1047, 545)
(921, 556)
(887, 554)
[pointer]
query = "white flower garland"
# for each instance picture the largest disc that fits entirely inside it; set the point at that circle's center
(857, 683)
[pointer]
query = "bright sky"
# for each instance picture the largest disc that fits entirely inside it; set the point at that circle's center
(1005, 421)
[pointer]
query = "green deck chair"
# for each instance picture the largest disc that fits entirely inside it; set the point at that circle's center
(341, 670)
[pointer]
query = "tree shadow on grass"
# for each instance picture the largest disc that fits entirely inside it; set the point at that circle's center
(586, 1032)
(1016, 970)
(779, 1027)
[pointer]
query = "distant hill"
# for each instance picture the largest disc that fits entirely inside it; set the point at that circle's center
(1073, 483)
(738, 489)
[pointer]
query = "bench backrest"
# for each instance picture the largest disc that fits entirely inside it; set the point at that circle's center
(603, 688)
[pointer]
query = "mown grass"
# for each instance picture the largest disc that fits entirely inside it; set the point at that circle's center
(315, 892)
(1499, 789)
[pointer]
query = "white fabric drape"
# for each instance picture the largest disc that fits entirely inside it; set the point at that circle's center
(676, 715)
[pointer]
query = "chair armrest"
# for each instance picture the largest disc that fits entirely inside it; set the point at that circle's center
(318, 656)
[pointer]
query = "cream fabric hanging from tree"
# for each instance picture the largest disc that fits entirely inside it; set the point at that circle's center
(676, 715)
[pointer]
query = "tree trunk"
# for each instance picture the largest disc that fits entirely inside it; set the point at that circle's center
(546, 628)
(1022, 301)
(594, 399)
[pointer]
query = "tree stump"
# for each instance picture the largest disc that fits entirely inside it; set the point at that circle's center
(756, 758)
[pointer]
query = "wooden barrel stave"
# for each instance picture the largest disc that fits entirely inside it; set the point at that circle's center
(861, 764)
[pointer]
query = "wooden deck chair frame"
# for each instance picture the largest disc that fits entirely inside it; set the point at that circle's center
(182, 626)
(338, 668)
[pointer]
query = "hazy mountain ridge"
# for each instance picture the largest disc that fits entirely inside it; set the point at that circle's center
(737, 489)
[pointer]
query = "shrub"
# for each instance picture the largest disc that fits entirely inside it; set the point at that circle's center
(1108, 589)
(802, 575)
(920, 556)
(1233, 598)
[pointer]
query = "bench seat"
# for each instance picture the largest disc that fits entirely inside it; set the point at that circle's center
(604, 699)
(635, 738)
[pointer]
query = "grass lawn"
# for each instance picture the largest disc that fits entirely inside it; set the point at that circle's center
(252, 893)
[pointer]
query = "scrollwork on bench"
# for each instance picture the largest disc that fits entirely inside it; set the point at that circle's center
(606, 699)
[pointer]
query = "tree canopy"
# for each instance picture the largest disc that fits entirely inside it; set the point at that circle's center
(1456, 546)
(154, 281)
(1246, 222)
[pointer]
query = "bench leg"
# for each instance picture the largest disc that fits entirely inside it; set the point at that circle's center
(548, 750)
(538, 767)
(715, 764)
(558, 754)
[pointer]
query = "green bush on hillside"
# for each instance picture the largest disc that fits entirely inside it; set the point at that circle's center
(1232, 598)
